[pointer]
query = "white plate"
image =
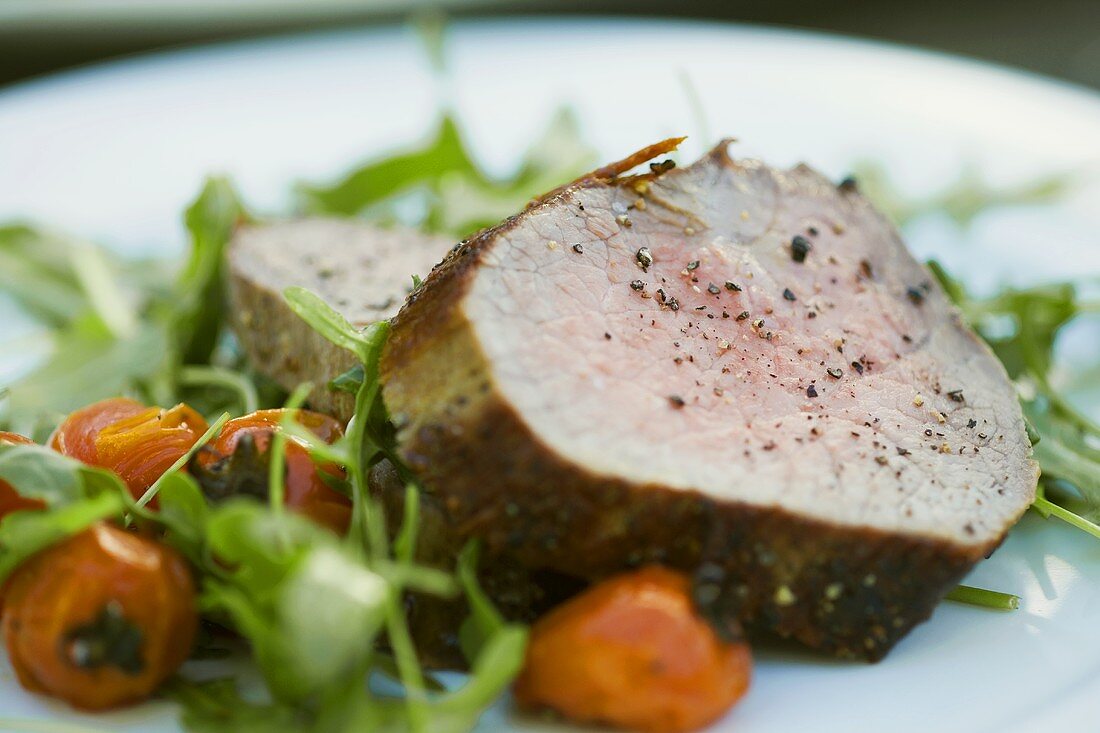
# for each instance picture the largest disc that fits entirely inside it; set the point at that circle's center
(114, 152)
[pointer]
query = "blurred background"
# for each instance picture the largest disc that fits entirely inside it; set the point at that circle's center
(1060, 38)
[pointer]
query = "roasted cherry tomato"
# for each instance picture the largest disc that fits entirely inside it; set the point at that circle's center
(10, 501)
(632, 652)
(236, 463)
(76, 436)
(101, 619)
(138, 443)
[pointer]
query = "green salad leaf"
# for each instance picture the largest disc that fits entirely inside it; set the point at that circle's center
(281, 564)
(75, 497)
(444, 187)
(116, 327)
(962, 200)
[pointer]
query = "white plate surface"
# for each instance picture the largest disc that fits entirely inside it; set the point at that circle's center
(113, 153)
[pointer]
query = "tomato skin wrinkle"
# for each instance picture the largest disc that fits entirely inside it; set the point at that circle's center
(101, 619)
(306, 490)
(633, 652)
(138, 443)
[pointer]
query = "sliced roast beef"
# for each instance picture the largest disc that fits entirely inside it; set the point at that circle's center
(728, 368)
(363, 271)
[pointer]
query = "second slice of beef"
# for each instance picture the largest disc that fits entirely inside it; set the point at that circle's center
(728, 368)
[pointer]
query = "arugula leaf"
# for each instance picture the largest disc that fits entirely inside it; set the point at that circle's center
(26, 533)
(447, 189)
(198, 296)
(115, 329)
(497, 664)
(216, 706)
(377, 181)
(246, 395)
(76, 496)
(962, 200)
(484, 621)
(184, 513)
(39, 473)
(366, 344)
(280, 565)
(371, 430)
(36, 270)
(87, 364)
(350, 381)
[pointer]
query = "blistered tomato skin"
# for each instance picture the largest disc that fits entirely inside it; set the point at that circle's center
(632, 652)
(138, 443)
(306, 490)
(10, 501)
(76, 436)
(100, 620)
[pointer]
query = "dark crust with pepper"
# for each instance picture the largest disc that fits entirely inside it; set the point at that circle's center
(847, 590)
(518, 593)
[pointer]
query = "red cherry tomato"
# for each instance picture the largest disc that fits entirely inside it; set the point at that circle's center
(101, 619)
(306, 490)
(632, 652)
(76, 436)
(138, 443)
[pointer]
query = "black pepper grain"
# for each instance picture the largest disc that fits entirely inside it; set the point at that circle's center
(811, 391)
(800, 247)
(637, 285)
(834, 372)
(713, 289)
(676, 401)
(788, 294)
(733, 287)
(644, 258)
(578, 248)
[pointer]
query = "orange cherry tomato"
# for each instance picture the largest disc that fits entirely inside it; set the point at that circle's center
(138, 443)
(632, 652)
(306, 490)
(76, 436)
(10, 501)
(101, 619)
